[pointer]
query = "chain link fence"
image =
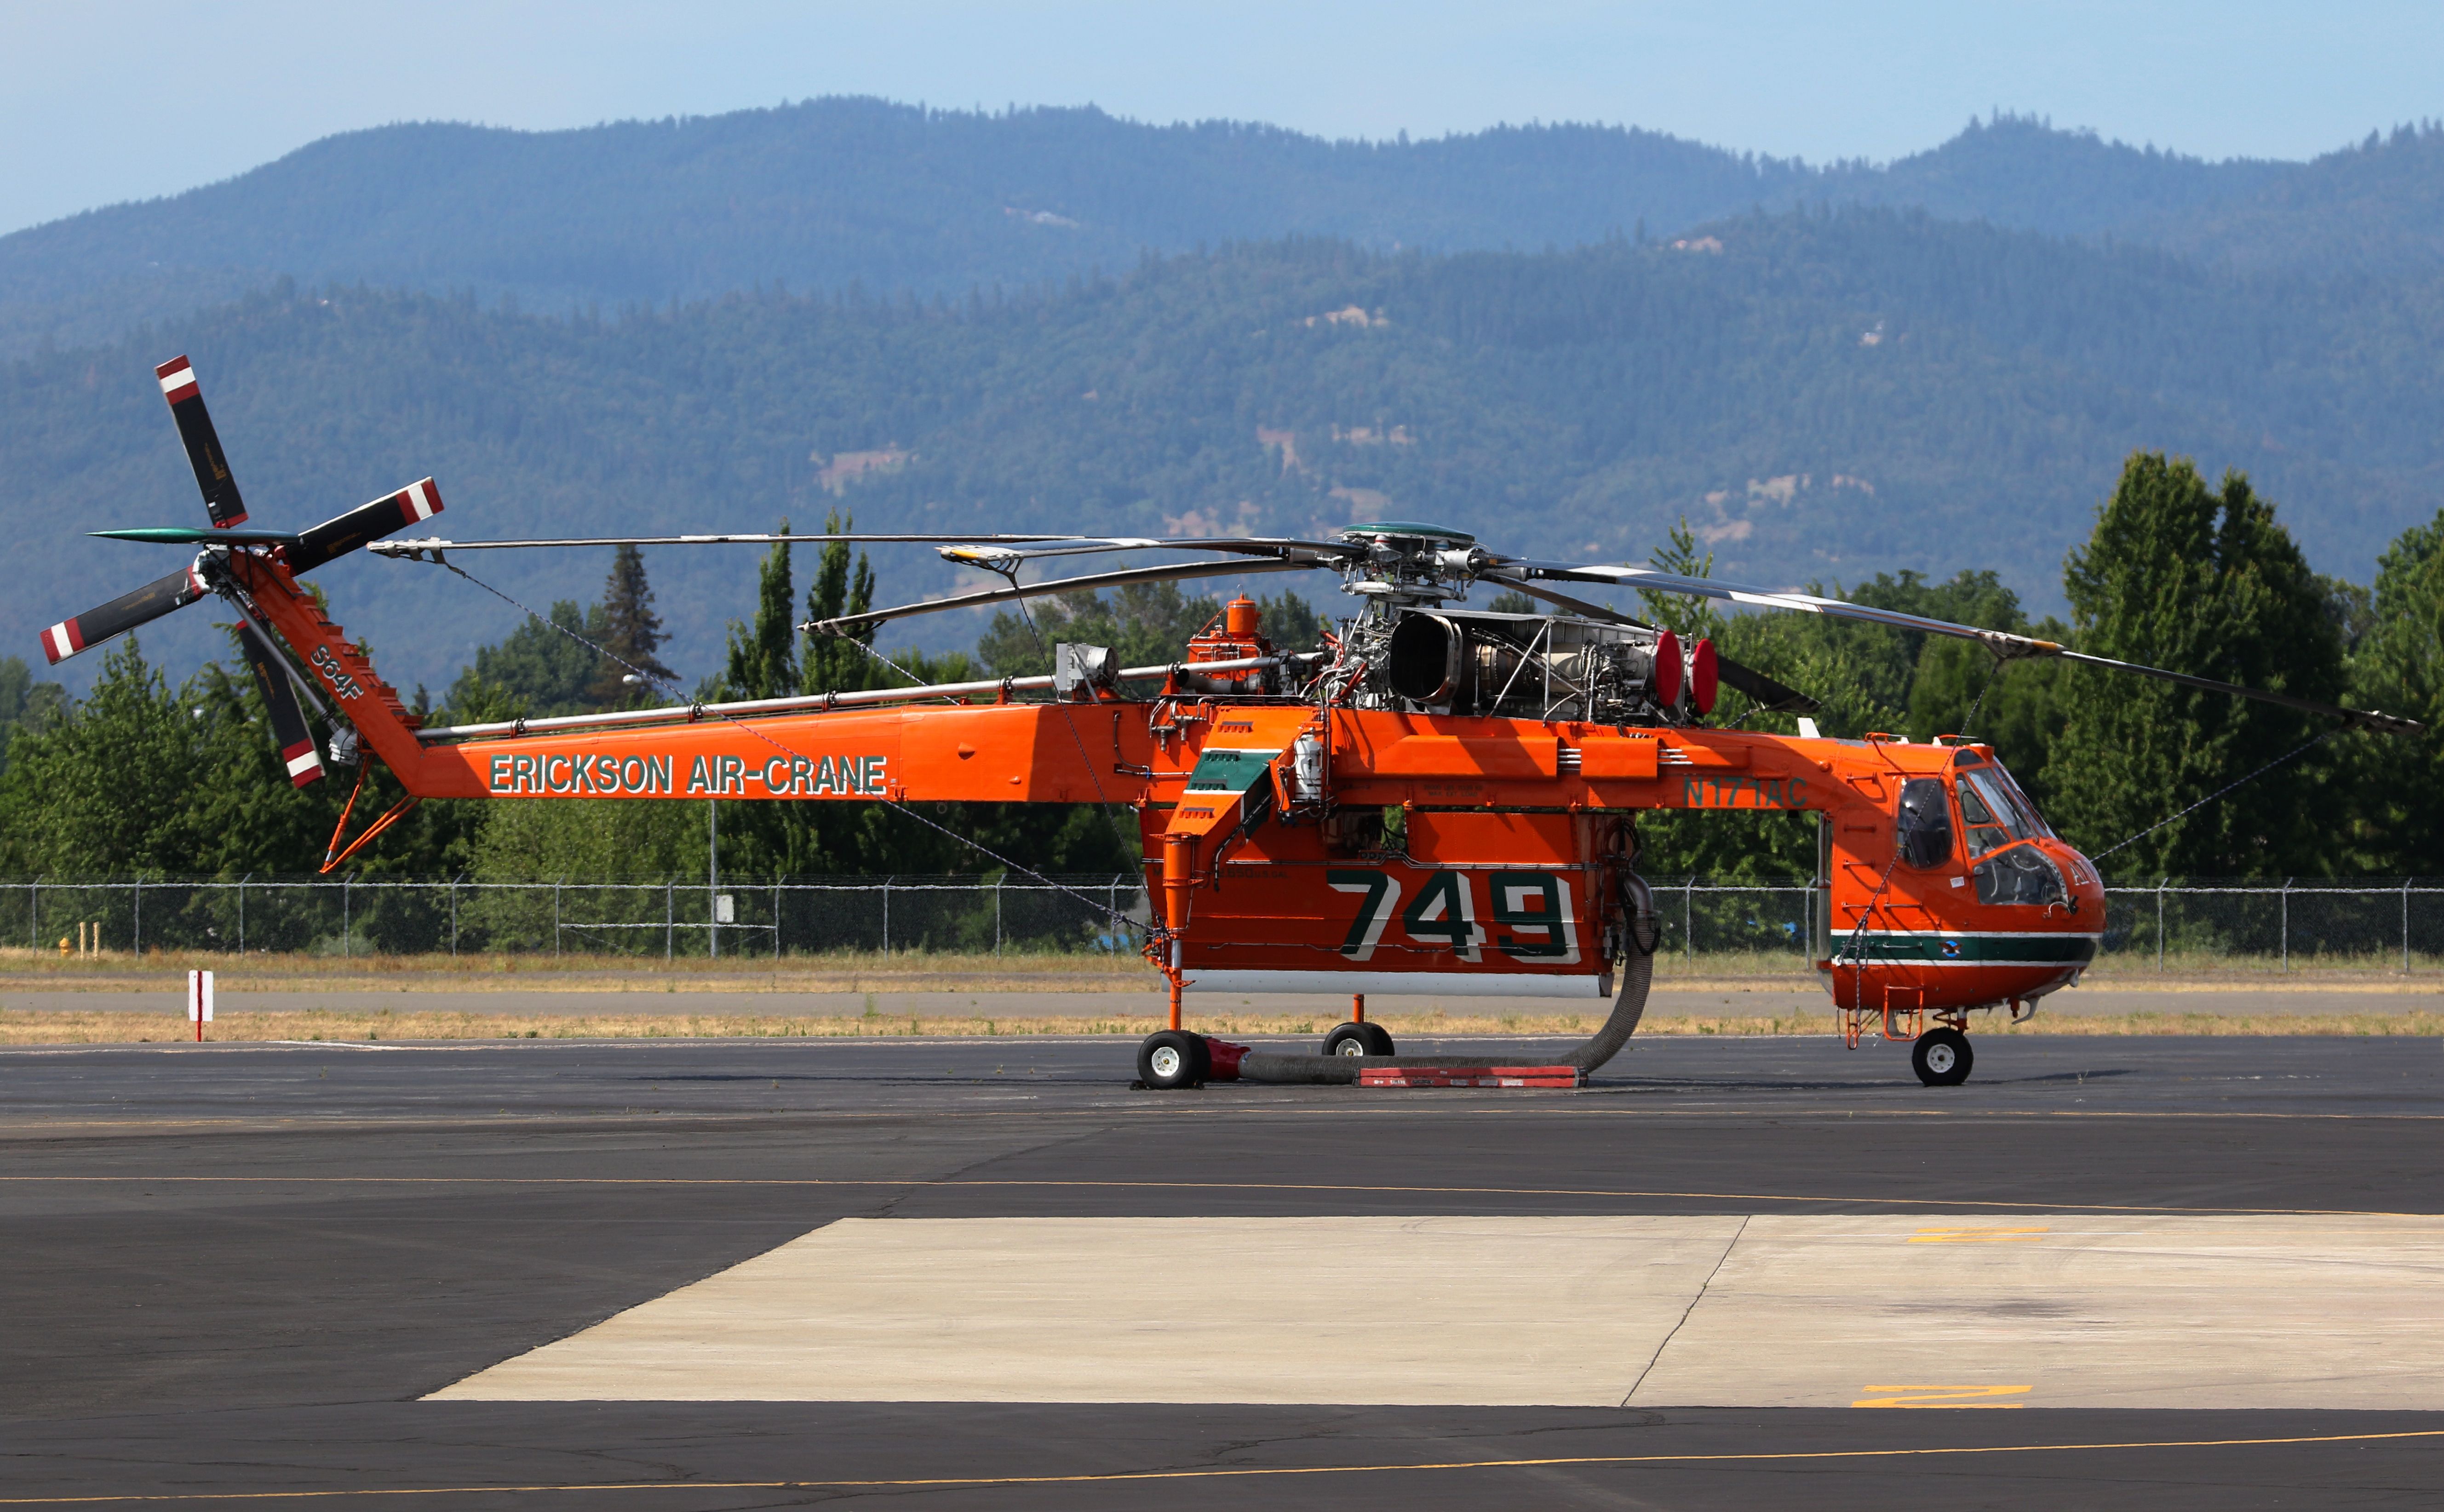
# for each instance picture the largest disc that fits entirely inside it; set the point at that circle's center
(2368, 921)
(666, 919)
(2168, 923)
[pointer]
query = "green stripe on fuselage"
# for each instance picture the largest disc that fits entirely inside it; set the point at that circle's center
(1970, 949)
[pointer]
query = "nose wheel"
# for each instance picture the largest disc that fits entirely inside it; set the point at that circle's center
(1359, 1040)
(1941, 1058)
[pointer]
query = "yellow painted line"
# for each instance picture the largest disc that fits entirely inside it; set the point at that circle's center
(964, 1183)
(1973, 1236)
(1220, 1473)
(1941, 1397)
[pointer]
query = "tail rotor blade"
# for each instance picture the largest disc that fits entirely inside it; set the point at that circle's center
(419, 501)
(289, 730)
(203, 444)
(122, 615)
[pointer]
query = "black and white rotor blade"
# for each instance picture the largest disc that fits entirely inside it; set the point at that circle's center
(2001, 642)
(290, 732)
(202, 442)
(849, 625)
(1768, 696)
(90, 629)
(429, 544)
(419, 501)
(985, 553)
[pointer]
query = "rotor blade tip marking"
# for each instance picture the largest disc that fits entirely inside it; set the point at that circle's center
(304, 762)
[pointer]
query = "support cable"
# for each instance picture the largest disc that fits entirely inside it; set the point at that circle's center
(2219, 792)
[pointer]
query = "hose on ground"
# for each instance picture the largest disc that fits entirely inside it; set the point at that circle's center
(1637, 977)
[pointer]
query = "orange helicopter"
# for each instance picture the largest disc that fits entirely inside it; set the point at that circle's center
(1444, 800)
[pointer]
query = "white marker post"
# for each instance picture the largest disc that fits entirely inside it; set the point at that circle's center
(199, 1001)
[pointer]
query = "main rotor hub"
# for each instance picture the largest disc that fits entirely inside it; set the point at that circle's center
(1407, 561)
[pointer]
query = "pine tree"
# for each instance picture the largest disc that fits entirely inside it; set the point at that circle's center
(839, 664)
(2399, 667)
(2204, 581)
(633, 633)
(763, 656)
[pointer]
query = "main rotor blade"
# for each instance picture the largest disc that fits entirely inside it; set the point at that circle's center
(290, 732)
(848, 623)
(2363, 718)
(1770, 695)
(419, 501)
(409, 548)
(1002, 559)
(203, 444)
(90, 629)
(2002, 643)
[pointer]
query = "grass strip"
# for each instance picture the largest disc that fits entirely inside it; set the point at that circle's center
(23, 1028)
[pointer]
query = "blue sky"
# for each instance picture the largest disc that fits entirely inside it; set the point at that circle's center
(115, 99)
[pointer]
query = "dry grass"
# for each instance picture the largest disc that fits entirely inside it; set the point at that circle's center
(18, 1027)
(833, 971)
(916, 971)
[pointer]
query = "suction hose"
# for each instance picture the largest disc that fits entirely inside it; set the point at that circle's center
(1637, 976)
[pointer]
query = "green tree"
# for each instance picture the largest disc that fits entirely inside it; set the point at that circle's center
(632, 633)
(2202, 581)
(1689, 617)
(839, 664)
(2398, 666)
(544, 667)
(25, 704)
(106, 790)
(1145, 624)
(763, 661)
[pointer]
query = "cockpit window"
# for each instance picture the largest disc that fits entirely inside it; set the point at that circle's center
(2023, 873)
(2021, 801)
(1924, 833)
(1997, 812)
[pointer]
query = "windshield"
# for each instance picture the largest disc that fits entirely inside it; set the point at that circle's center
(1995, 811)
(2026, 805)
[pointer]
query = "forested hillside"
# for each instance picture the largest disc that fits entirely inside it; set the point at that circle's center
(829, 192)
(1823, 396)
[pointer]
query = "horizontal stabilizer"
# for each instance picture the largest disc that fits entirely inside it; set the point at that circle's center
(184, 535)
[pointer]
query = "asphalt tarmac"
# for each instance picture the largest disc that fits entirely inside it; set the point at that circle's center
(1766, 1000)
(233, 1274)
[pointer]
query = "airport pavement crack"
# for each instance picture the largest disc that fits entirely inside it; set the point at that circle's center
(1728, 1245)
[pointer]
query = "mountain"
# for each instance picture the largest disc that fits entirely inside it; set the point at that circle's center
(1823, 395)
(832, 193)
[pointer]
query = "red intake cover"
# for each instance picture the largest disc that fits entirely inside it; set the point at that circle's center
(1702, 677)
(1667, 670)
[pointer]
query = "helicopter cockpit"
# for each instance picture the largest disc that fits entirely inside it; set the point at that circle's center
(2009, 847)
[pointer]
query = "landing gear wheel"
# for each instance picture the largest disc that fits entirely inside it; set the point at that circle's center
(1359, 1040)
(1171, 1060)
(1941, 1058)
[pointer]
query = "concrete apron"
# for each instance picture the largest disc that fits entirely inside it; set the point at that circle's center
(1917, 1310)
